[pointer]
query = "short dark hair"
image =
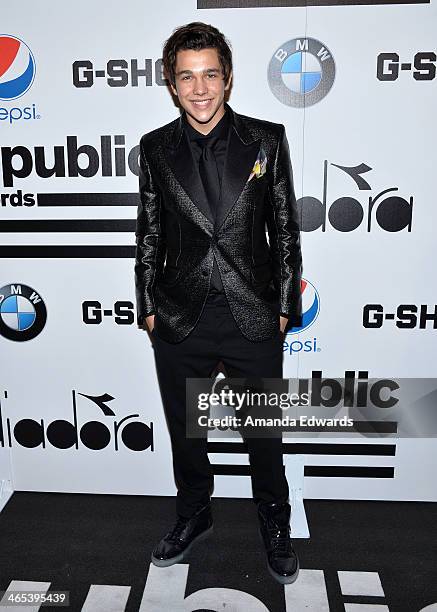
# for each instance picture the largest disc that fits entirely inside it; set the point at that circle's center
(196, 36)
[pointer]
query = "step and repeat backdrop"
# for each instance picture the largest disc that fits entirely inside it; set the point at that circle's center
(355, 85)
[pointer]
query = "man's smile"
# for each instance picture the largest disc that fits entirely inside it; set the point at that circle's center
(201, 103)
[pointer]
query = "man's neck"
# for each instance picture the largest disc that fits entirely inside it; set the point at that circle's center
(206, 128)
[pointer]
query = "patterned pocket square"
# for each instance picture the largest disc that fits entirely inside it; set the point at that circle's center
(260, 165)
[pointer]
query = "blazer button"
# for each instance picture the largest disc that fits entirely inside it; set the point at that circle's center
(204, 272)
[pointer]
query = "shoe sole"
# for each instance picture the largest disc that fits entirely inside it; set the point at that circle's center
(281, 579)
(285, 579)
(184, 553)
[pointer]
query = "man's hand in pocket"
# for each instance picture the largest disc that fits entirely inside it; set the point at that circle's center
(149, 323)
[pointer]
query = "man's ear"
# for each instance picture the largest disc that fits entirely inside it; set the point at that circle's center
(173, 89)
(228, 84)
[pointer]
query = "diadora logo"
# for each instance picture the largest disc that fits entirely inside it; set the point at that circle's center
(17, 73)
(310, 312)
(301, 72)
(387, 209)
(23, 313)
(62, 434)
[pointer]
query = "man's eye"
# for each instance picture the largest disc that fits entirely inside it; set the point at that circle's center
(212, 76)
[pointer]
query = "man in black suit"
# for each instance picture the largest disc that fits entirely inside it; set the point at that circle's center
(210, 286)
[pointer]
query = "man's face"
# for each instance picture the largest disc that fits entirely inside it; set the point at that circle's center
(200, 87)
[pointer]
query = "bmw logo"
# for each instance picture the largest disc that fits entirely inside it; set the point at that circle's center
(23, 313)
(301, 72)
(17, 67)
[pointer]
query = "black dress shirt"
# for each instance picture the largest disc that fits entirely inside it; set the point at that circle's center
(221, 133)
(216, 141)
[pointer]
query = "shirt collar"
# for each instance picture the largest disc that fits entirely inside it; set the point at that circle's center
(219, 131)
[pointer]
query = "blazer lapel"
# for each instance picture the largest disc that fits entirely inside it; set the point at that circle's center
(179, 158)
(241, 155)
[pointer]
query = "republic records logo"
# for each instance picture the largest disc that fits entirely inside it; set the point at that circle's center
(301, 72)
(23, 313)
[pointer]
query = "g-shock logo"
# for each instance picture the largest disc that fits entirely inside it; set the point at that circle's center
(122, 312)
(422, 67)
(119, 73)
(406, 316)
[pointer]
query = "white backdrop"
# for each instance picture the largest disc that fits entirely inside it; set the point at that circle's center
(387, 125)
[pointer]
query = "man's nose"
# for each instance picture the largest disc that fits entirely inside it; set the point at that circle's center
(200, 87)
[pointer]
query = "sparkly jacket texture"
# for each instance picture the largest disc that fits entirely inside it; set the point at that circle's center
(255, 236)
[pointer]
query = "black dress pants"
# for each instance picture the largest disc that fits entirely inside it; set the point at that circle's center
(215, 338)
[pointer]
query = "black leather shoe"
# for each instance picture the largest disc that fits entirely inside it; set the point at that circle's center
(282, 561)
(176, 544)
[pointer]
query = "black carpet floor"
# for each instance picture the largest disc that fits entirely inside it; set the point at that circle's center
(73, 541)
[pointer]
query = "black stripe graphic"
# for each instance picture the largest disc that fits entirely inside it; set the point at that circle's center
(310, 448)
(69, 225)
(110, 251)
(317, 471)
(222, 4)
(88, 199)
(348, 471)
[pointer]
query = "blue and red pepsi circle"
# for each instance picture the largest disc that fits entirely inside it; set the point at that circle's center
(310, 306)
(17, 67)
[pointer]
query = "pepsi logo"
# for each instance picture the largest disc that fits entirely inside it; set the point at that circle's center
(310, 306)
(17, 67)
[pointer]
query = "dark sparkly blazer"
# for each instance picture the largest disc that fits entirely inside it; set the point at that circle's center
(177, 238)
